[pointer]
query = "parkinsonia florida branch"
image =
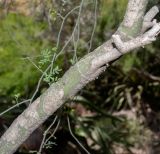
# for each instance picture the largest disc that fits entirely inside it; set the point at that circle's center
(132, 33)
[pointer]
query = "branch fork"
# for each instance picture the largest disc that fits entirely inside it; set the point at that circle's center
(145, 38)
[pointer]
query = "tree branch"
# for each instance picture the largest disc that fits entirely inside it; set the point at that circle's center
(87, 69)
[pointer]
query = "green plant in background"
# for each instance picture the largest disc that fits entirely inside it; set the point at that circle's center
(53, 14)
(20, 38)
(53, 75)
(16, 96)
(111, 14)
(104, 133)
(49, 145)
(46, 57)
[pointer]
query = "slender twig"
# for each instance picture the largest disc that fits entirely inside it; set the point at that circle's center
(14, 106)
(80, 144)
(94, 26)
(39, 83)
(59, 35)
(62, 25)
(34, 64)
(45, 133)
(73, 32)
(56, 128)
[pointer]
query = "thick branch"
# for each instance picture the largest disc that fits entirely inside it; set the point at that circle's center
(86, 70)
(132, 23)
